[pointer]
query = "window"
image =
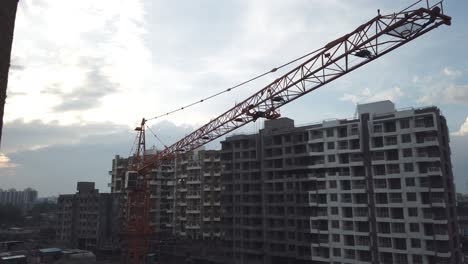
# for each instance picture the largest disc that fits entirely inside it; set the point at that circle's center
(343, 132)
(406, 138)
(411, 197)
(380, 183)
(410, 182)
(404, 123)
(377, 128)
(334, 210)
(336, 238)
(331, 158)
(393, 168)
(382, 212)
(417, 259)
(333, 197)
(336, 224)
(401, 258)
(330, 132)
(392, 154)
(414, 227)
(377, 142)
(332, 184)
(407, 152)
(390, 140)
(379, 169)
(385, 242)
(390, 126)
(408, 167)
(415, 243)
(395, 198)
(412, 211)
(337, 252)
(331, 145)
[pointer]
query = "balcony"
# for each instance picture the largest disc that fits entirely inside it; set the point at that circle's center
(193, 181)
(358, 186)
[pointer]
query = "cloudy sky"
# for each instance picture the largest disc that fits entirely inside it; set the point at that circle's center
(85, 72)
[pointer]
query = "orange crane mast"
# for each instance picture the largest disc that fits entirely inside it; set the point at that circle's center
(369, 41)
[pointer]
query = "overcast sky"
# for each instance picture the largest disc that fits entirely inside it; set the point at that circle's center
(85, 72)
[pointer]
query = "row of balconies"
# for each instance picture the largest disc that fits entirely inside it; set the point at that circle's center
(216, 219)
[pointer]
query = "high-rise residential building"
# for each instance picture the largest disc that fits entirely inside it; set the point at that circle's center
(197, 194)
(185, 194)
(24, 199)
(377, 188)
(88, 219)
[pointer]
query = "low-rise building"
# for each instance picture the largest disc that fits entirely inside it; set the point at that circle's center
(88, 219)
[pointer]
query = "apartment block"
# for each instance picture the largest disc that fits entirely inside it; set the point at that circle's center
(185, 194)
(24, 199)
(377, 188)
(88, 219)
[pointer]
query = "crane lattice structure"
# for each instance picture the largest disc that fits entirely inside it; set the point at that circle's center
(367, 42)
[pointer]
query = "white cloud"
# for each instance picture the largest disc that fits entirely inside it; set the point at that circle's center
(5, 162)
(450, 72)
(451, 94)
(60, 44)
(366, 95)
(463, 131)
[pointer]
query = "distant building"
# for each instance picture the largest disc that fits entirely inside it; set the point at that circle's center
(24, 199)
(374, 189)
(88, 219)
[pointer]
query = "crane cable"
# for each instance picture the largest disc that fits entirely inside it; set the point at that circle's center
(225, 91)
(234, 87)
(133, 146)
(154, 134)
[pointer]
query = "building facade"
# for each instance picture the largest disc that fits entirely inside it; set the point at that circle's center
(24, 199)
(373, 189)
(88, 219)
(462, 206)
(185, 194)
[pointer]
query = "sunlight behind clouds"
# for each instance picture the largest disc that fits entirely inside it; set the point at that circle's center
(72, 41)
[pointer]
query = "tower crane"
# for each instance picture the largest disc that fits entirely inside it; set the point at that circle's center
(369, 41)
